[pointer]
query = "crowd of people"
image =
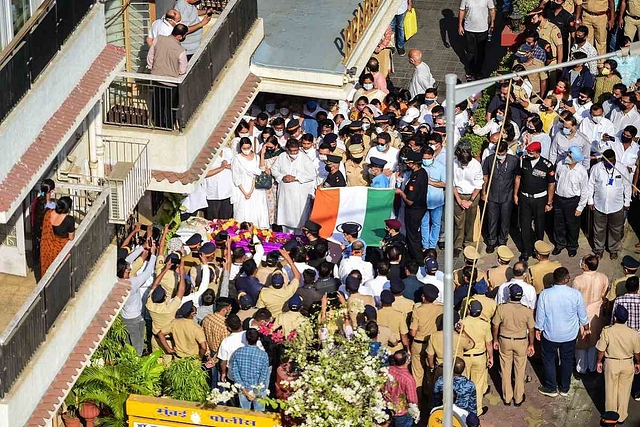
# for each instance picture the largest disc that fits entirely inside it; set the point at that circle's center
(558, 144)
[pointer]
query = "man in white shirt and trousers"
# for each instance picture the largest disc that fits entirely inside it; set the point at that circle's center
(422, 78)
(609, 197)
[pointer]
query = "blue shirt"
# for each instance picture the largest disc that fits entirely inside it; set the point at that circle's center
(249, 284)
(464, 389)
(412, 289)
(250, 367)
(435, 196)
(347, 250)
(560, 312)
(380, 181)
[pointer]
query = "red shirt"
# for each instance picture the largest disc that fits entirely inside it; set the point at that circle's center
(402, 390)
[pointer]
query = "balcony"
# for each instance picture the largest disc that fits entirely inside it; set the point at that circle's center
(168, 104)
(35, 46)
(30, 326)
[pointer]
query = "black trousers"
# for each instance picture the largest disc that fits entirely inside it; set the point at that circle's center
(566, 225)
(531, 209)
(498, 220)
(219, 209)
(412, 222)
(475, 46)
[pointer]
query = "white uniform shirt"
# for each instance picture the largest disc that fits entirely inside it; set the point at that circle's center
(220, 185)
(594, 131)
(528, 293)
(469, 178)
(347, 265)
(560, 145)
(573, 182)
(622, 120)
(609, 190)
(374, 287)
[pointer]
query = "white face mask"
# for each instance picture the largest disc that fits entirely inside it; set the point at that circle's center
(367, 86)
(322, 157)
(596, 119)
(279, 132)
(244, 134)
(366, 126)
(270, 107)
(492, 146)
(246, 152)
(379, 130)
(293, 156)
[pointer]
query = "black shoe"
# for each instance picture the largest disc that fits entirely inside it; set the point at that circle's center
(441, 246)
(548, 391)
(524, 397)
(485, 409)
(490, 249)
(505, 403)
(572, 253)
(524, 257)
(556, 251)
(401, 51)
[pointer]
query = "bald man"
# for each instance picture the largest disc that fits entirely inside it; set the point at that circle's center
(164, 26)
(422, 78)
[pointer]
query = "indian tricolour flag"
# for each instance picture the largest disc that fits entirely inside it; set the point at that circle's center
(368, 207)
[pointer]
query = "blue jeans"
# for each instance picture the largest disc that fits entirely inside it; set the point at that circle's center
(550, 359)
(247, 404)
(614, 37)
(430, 227)
(397, 26)
(402, 421)
(215, 375)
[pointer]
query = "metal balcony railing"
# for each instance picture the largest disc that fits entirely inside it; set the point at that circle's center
(33, 48)
(29, 327)
(128, 174)
(149, 101)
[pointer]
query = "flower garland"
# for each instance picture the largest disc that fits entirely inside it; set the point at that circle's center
(271, 240)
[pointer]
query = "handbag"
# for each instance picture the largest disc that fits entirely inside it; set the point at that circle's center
(410, 23)
(264, 181)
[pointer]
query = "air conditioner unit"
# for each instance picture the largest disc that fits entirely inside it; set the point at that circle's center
(119, 207)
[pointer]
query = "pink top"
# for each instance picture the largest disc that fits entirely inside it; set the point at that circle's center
(401, 390)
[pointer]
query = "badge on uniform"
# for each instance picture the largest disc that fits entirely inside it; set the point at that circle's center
(610, 181)
(411, 188)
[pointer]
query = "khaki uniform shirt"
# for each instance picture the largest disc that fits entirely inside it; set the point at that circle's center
(514, 320)
(387, 338)
(436, 345)
(246, 314)
(488, 307)
(290, 320)
(594, 5)
(275, 299)
(403, 305)
(395, 321)
(498, 275)
(536, 78)
(457, 276)
(340, 152)
(480, 332)
(551, 33)
(169, 281)
(356, 174)
(541, 274)
(633, 7)
(424, 318)
(191, 260)
(264, 274)
(354, 308)
(163, 313)
(619, 341)
(366, 142)
(618, 287)
(187, 336)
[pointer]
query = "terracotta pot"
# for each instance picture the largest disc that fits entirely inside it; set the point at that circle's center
(89, 411)
(71, 421)
(510, 38)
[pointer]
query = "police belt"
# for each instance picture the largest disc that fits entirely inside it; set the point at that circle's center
(419, 341)
(534, 196)
(511, 338)
(474, 355)
(632, 16)
(603, 12)
(617, 358)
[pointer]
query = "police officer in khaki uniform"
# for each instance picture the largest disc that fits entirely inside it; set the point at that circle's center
(394, 320)
(619, 346)
(541, 273)
(402, 304)
(192, 258)
(597, 16)
(423, 324)
(275, 296)
(631, 18)
(550, 33)
(501, 273)
(471, 256)
(332, 140)
(358, 136)
(486, 297)
(357, 175)
(292, 319)
(385, 337)
(513, 332)
(480, 357)
(188, 337)
(630, 267)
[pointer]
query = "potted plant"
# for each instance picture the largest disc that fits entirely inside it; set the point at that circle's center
(515, 22)
(70, 417)
(89, 411)
(185, 379)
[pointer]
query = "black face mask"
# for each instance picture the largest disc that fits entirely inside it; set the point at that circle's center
(357, 160)
(582, 101)
(580, 40)
(259, 127)
(464, 158)
(555, 6)
(625, 139)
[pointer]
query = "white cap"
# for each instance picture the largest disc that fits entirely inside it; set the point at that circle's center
(411, 114)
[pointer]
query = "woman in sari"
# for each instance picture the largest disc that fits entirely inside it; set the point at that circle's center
(58, 227)
(45, 201)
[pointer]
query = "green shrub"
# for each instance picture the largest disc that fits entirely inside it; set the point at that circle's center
(185, 379)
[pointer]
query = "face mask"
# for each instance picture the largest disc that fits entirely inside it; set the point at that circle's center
(433, 147)
(582, 101)
(499, 118)
(530, 156)
(531, 129)
(360, 107)
(555, 6)
(596, 119)
(625, 139)
(270, 107)
(322, 157)
(279, 132)
(501, 156)
(429, 101)
(270, 150)
(246, 152)
(259, 127)
(367, 86)
(606, 71)
(293, 156)
(568, 160)
(243, 134)
(566, 131)
(381, 148)
(379, 130)
(357, 160)
(607, 165)
(558, 91)
(427, 162)
(465, 158)
(366, 126)
(580, 40)
(492, 146)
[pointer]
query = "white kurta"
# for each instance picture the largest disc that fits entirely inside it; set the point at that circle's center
(293, 197)
(255, 209)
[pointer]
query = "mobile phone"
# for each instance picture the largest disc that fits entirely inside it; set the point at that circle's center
(210, 14)
(172, 225)
(144, 227)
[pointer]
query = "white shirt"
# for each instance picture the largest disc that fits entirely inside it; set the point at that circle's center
(403, 7)
(461, 122)
(132, 307)
(347, 265)
(438, 283)
(421, 80)
(591, 52)
(573, 182)
(627, 157)
(422, 273)
(468, 178)
(391, 156)
(594, 131)
(561, 144)
(622, 120)
(160, 27)
(476, 18)
(605, 197)
(374, 287)
(528, 293)
(230, 344)
(582, 111)
(220, 185)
